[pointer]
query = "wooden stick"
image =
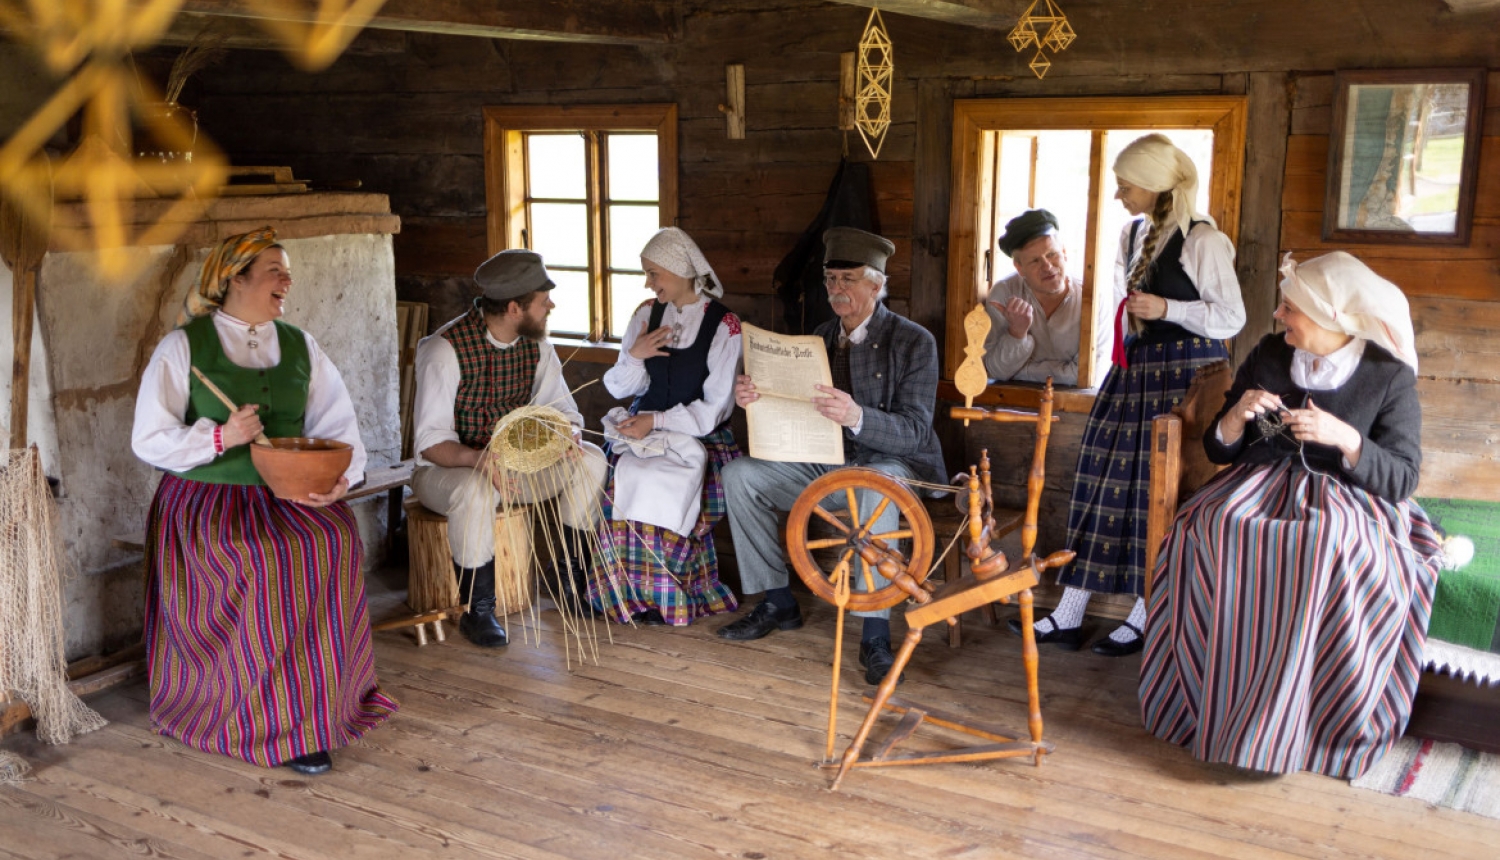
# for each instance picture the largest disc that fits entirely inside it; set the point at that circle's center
(260, 438)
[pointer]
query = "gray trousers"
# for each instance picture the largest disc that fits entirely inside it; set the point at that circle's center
(756, 490)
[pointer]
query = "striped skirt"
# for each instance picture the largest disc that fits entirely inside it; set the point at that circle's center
(257, 635)
(642, 566)
(1112, 485)
(1286, 626)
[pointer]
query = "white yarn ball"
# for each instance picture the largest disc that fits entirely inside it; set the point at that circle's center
(1458, 551)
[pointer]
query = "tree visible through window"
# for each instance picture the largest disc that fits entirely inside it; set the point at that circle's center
(585, 187)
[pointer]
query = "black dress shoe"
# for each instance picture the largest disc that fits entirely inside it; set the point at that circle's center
(311, 764)
(1070, 638)
(876, 658)
(649, 618)
(1110, 648)
(760, 621)
(479, 625)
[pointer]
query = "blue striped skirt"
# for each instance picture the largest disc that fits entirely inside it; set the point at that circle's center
(641, 566)
(1112, 485)
(257, 634)
(1286, 626)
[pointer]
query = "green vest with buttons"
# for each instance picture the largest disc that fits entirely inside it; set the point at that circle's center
(281, 392)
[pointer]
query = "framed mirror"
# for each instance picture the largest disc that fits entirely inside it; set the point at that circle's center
(1403, 156)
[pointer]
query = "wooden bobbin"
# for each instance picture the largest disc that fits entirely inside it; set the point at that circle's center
(431, 584)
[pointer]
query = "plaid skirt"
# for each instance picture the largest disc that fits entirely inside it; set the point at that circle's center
(641, 566)
(257, 634)
(1286, 628)
(1112, 485)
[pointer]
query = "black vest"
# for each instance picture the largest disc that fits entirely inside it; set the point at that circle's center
(678, 376)
(1165, 277)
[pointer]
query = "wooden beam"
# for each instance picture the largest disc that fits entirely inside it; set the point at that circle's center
(619, 22)
(985, 14)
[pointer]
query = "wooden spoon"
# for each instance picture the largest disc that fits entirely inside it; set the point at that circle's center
(260, 438)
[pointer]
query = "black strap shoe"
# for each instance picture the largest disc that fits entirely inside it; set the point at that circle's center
(876, 658)
(1070, 638)
(1110, 648)
(649, 618)
(760, 621)
(311, 764)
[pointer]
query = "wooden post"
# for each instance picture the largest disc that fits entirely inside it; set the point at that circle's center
(847, 72)
(734, 94)
(23, 244)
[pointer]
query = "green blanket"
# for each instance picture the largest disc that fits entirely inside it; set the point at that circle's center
(1467, 604)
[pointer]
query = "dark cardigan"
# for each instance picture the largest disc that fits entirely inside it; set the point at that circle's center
(1379, 400)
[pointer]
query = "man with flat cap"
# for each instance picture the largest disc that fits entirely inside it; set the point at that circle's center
(1034, 313)
(470, 373)
(885, 374)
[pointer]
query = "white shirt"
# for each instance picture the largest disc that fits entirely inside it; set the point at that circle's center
(438, 375)
(160, 437)
(629, 377)
(1208, 259)
(1050, 347)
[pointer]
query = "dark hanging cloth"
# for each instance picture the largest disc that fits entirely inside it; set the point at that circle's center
(798, 278)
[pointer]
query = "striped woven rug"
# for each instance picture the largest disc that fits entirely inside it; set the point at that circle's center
(1445, 775)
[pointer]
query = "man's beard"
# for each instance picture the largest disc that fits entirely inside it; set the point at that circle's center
(533, 329)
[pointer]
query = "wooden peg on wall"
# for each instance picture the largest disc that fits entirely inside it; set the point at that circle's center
(734, 93)
(847, 66)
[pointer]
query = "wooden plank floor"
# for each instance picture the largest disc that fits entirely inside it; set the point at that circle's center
(676, 744)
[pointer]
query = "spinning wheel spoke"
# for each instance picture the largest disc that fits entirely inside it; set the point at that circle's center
(819, 541)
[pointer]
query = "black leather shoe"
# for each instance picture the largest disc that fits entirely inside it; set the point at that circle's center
(1070, 638)
(480, 626)
(649, 618)
(761, 621)
(1110, 648)
(311, 764)
(876, 658)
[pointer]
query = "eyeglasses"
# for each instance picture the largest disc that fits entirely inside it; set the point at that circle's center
(842, 280)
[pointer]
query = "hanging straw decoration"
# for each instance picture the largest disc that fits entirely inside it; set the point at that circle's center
(32, 659)
(1028, 31)
(872, 101)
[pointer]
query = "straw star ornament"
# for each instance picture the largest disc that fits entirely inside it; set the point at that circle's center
(872, 102)
(1045, 26)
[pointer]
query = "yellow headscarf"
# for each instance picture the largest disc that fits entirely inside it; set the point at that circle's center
(224, 262)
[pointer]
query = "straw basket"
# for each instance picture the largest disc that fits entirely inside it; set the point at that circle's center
(431, 584)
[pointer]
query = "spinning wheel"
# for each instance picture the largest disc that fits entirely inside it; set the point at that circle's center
(902, 554)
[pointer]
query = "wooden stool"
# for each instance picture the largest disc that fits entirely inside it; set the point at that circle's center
(430, 581)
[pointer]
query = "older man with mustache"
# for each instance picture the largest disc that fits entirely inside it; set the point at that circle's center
(885, 373)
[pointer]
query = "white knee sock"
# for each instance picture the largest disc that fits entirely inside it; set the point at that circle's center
(1137, 617)
(1069, 611)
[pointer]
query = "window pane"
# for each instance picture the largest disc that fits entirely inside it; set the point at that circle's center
(555, 166)
(559, 232)
(629, 229)
(571, 316)
(627, 291)
(632, 167)
(1061, 187)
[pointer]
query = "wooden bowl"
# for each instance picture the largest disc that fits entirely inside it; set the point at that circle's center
(294, 466)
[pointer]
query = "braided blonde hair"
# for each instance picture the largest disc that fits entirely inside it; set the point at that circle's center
(1160, 229)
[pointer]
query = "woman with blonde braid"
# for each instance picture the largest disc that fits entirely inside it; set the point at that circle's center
(1178, 300)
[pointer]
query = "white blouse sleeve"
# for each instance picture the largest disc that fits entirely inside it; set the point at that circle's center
(330, 411)
(700, 417)
(159, 435)
(437, 376)
(1208, 260)
(629, 377)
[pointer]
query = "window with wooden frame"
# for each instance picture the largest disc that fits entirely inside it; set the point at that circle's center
(584, 186)
(1010, 155)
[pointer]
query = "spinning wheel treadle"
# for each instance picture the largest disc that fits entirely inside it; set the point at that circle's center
(903, 554)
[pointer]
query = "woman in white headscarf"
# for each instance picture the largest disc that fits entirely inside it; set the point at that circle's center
(1178, 301)
(1293, 591)
(677, 360)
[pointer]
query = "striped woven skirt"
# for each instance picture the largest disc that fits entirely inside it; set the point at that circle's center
(1285, 630)
(257, 635)
(1112, 485)
(642, 566)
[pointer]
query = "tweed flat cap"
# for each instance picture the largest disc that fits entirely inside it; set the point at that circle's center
(512, 273)
(848, 248)
(1031, 224)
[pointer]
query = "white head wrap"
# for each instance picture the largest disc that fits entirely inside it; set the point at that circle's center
(1341, 294)
(1155, 164)
(675, 251)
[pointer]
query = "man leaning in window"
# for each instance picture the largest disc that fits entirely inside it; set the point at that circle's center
(1034, 314)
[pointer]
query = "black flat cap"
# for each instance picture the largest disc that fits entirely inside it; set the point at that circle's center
(848, 248)
(512, 273)
(1024, 227)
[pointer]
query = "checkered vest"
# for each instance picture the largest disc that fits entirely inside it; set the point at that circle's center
(492, 381)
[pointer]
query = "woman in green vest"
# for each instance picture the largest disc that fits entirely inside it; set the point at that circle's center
(257, 635)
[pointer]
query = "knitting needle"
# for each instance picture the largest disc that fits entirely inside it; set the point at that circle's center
(260, 438)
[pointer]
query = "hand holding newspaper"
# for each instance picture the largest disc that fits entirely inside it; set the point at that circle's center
(784, 424)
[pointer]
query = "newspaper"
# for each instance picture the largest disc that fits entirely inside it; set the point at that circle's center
(784, 424)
